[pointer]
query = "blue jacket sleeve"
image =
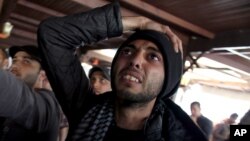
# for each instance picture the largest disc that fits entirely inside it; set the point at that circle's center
(58, 38)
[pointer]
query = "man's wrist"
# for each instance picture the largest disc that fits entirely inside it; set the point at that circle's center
(133, 23)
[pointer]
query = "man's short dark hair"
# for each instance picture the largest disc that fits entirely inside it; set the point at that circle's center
(196, 103)
(234, 116)
(30, 49)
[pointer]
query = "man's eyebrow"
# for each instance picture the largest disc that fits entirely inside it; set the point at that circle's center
(25, 57)
(130, 45)
(153, 49)
(28, 57)
(146, 48)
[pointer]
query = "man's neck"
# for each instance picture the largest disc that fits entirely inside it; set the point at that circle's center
(195, 117)
(133, 117)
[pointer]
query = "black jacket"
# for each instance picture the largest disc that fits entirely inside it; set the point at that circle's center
(206, 125)
(26, 114)
(59, 37)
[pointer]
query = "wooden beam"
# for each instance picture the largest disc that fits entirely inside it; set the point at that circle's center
(7, 6)
(99, 3)
(235, 62)
(40, 8)
(199, 44)
(16, 40)
(125, 12)
(23, 25)
(1, 5)
(25, 19)
(91, 3)
(232, 38)
(222, 41)
(158, 15)
(23, 33)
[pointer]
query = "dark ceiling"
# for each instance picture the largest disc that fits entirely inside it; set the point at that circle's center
(214, 28)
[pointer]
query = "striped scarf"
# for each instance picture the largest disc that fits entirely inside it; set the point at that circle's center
(95, 124)
(175, 126)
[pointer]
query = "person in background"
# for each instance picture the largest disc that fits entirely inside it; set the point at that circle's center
(205, 124)
(222, 130)
(63, 123)
(99, 80)
(145, 72)
(4, 62)
(28, 110)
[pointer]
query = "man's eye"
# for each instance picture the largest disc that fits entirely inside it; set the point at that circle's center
(154, 57)
(126, 51)
(14, 61)
(26, 61)
(103, 80)
(92, 79)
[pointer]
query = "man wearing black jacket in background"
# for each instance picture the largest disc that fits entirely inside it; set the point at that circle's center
(28, 111)
(205, 124)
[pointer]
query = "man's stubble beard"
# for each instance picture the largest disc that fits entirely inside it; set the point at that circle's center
(30, 79)
(130, 99)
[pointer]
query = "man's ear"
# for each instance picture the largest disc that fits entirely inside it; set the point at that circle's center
(40, 78)
(42, 75)
(44, 80)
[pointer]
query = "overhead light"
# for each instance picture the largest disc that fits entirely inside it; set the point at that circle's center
(6, 30)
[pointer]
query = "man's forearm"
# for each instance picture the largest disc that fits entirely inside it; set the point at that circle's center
(58, 37)
(10, 94)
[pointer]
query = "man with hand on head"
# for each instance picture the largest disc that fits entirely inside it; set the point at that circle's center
(145, 72)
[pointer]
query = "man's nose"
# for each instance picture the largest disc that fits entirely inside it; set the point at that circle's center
(95, 84)
(137, 60)
(14, 66)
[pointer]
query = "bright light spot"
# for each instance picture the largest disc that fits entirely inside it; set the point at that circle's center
(86, 67)
(107, 52)
(187, 63)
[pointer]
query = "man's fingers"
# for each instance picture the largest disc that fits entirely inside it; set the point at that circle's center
(177, 43)
(180, 47)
